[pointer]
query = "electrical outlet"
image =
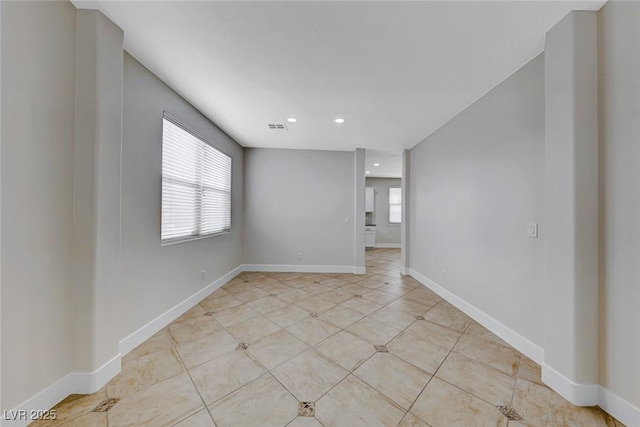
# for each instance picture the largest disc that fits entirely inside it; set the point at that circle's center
(532, 229)
(299, 256)
(202, 273)
(443, 274)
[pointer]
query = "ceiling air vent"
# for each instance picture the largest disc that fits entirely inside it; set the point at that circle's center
(277, 126)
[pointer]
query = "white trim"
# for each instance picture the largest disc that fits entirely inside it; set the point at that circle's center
(74, 382)
(404, 270)
(578, 394)
(522, 344)
(145, 332)
(388, 245)
(283, 268)
(621, 409)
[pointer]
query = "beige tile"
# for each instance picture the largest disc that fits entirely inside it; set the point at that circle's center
(443, 405)
(162, 404)
(482, 381)
(193, 329)
(412, 349)
(309, 375)
(397, 319)
(261, 403)
(435, 334)
(477, 330)
(288, 315)
(373, 282)
(159, 341)
(253, 329)
(304, 422)
(193, 312)
(336, 282)
(374, 331)
(393, 377)
(234, 315)
(251, 294)
(361, 305)
(144, 371)
(411, 307)
(199, 419)
(542, 407)
(219, 304)
(337, 296)
(317, 288)
(355, 289)
(529, 370)
(312, 330)
(73, 407)
(346, 350)
(196, 352)
(294, 295)
(410, 420)
(267, 304)
(315, 304)
(341, 316)
(92, 419)
(276, 288)
(276, 348)
(221, 376)
(398, 288)
(353, 403)
(502, 358)
(423, 296)
(380, 297)
(447, 315)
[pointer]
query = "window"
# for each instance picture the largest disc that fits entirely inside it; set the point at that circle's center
(196, 185)
(395, 205)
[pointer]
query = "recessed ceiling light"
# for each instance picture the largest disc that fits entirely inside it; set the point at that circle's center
(376, 164)
(339, 120)
(368, 172)
(292, 120)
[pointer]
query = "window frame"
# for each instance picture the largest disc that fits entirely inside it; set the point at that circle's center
(394, 204)
(199, 186)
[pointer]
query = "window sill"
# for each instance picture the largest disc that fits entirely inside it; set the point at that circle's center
(191, 239)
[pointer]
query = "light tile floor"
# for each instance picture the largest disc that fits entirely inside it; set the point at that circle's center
(292, 349)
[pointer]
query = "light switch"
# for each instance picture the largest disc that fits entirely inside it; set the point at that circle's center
(347, 219)
(533, 229)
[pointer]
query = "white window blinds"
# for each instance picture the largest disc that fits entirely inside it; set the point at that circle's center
(196, 185)
(395, 205)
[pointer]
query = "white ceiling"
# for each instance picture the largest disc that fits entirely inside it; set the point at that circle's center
(396, 71)
(390, 164)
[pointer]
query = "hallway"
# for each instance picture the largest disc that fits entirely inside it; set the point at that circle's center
(294, 349)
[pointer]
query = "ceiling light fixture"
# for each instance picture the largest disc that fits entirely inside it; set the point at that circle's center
(368, 172)
(292, 120)
(376, 164)
(339, 120)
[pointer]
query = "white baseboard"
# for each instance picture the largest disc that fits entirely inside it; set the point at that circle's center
(522, 344)
(388, 245)
(578, 394)
(624, 411)
(74, 382)
(147, 331)
(90, 382)
(359, 270)
(591, 395)
(283, 268)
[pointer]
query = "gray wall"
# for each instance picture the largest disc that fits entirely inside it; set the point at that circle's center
(37, 199)
(475, 184)
(154, 277)
(296, 201)
(386, 233)
(619, 126)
